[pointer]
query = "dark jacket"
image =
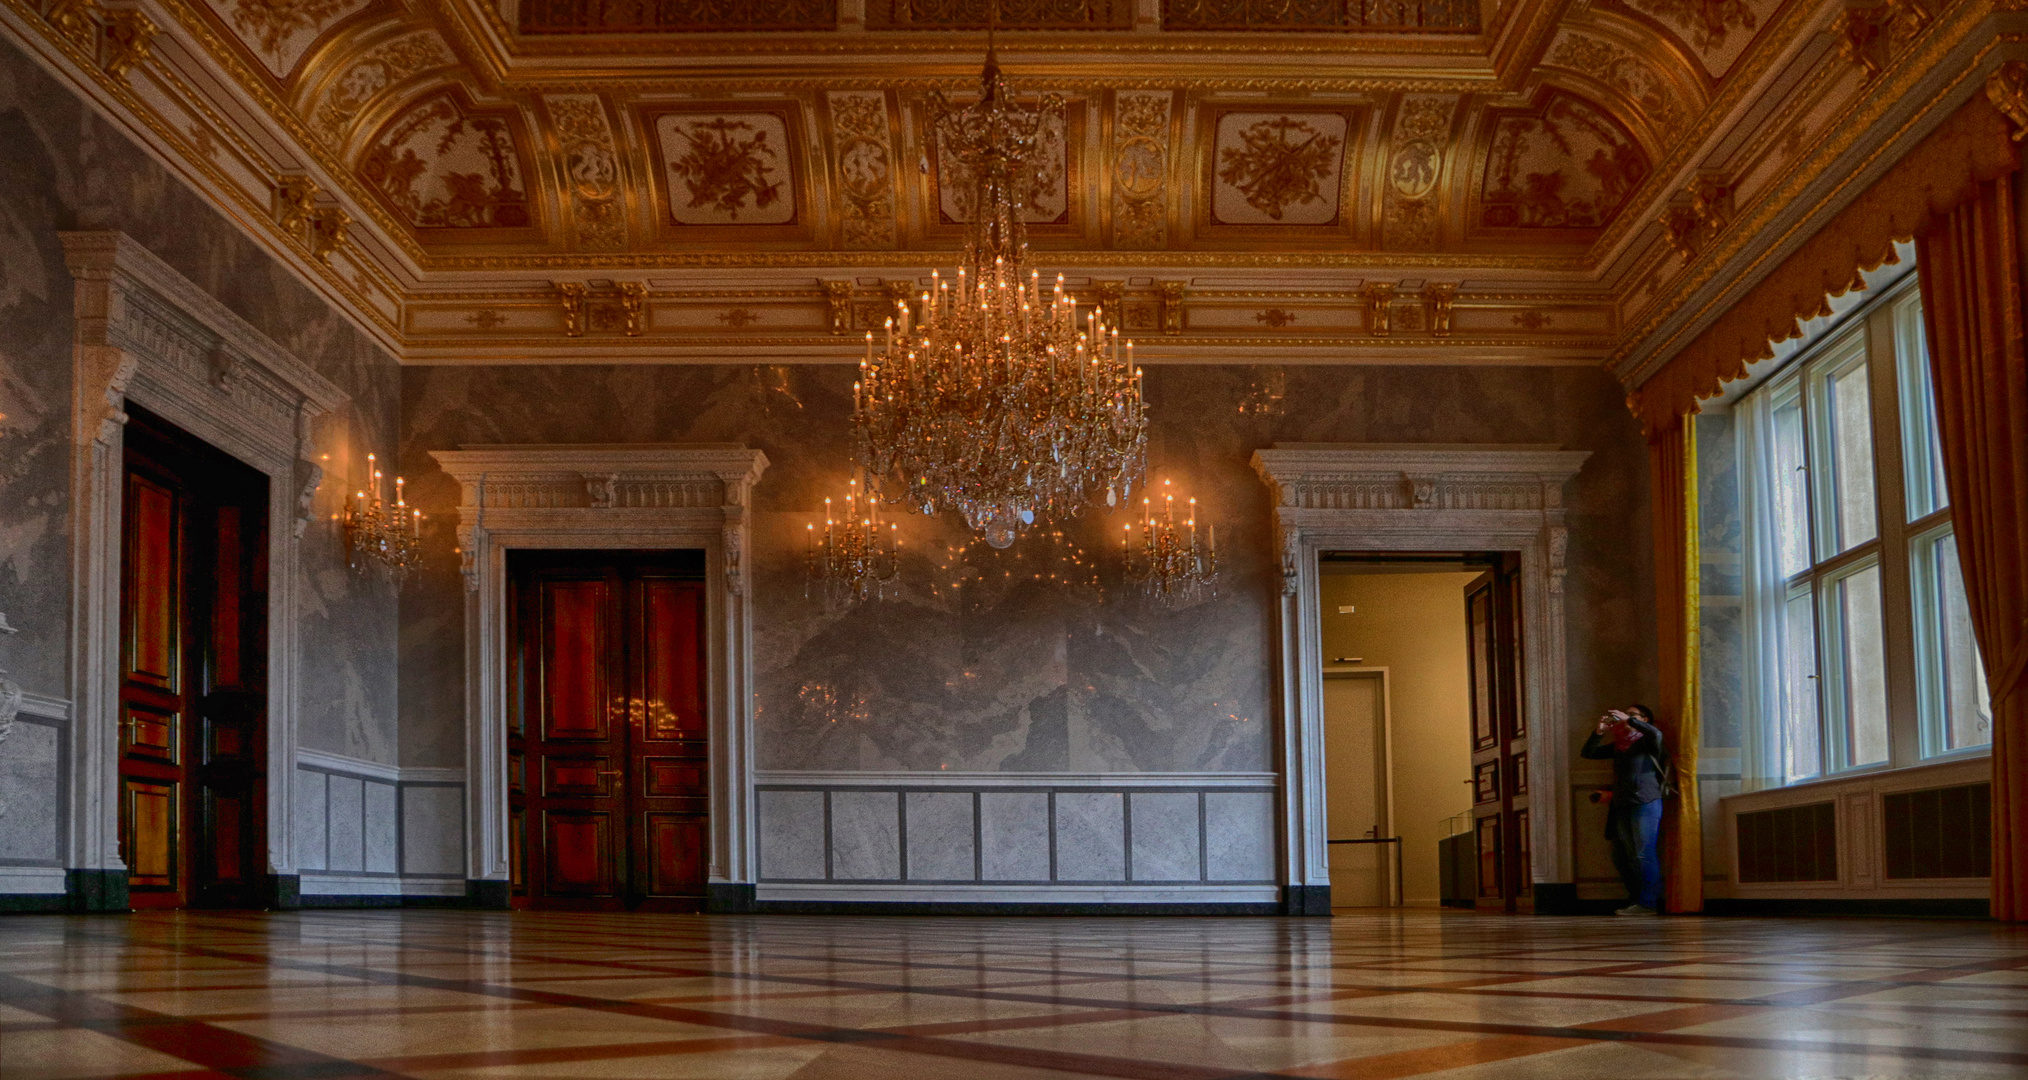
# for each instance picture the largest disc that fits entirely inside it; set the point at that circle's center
(1641, 774)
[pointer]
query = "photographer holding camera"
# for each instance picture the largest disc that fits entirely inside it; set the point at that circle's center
(1642, 778)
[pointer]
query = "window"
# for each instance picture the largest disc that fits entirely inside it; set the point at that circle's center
(1860, 649)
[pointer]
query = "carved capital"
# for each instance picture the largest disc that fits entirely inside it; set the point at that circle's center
(309, 477)
(1860, 40)
(634, 306)
(328, 230)
(295, 206)
(1378, 296)
(571, 295)
(1111, 297)
(1422, 490)
(1292, 556)
(602, 489)
(1171, 294)
(1559, 551)
(2007, 89)
(469, 542)
(838, 294)
(733, 544)
(76, 21)
(130, 40)
(103, 373)
(1438, 297)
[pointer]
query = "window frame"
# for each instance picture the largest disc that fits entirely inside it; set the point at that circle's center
(1883, 334)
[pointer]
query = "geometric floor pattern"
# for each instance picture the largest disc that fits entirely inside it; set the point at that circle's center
(452, 994)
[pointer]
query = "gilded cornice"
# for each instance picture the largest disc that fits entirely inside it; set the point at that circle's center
(1621, 295)
(1789, 211)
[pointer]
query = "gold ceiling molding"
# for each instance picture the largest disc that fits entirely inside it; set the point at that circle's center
(428, 167)
(1842, 131)
(1977, 143)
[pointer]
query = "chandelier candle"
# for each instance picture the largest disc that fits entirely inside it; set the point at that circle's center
(389, 535)
(1169, 564)
(987, 395)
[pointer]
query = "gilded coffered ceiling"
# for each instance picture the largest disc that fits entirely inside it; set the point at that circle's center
(1443, 180)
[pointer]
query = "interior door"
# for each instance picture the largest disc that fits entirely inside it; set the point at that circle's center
(156, 697)
(668, 793)
(1356, 789)
(607, 747)
(193, 671)
(1499, 739)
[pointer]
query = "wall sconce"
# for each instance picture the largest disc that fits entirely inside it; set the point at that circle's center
(389, 534)
(1170, 562)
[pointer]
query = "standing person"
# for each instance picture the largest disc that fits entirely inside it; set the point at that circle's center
(1641, 779)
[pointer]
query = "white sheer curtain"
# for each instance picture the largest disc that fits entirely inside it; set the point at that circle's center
(1762, 762)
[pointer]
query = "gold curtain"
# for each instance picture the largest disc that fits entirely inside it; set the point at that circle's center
(1971, 270)
(1672, 470)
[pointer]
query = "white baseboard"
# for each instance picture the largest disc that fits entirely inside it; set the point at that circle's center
(31, 880)
(347, 765)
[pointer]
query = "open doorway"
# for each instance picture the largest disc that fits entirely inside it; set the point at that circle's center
(1422, 737)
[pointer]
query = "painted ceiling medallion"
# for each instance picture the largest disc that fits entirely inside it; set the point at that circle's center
(1569, 165)
(1274, 168)
(991, 399)
(444, 165)
(727, 168)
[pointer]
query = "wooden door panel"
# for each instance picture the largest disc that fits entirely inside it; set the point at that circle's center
(1488, 829)
(580, 857)
(1498, 731)
(576, 676)
(668, 777)
(675, 854)
(152, 561)
(149, 734)
(671, 675)
(225, 818)
(582, 777)
(151, 834)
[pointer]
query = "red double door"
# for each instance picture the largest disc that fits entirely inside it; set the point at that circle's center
(607, 750)
(193, 672)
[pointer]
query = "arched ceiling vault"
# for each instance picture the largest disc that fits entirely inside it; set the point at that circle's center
(1440, 180)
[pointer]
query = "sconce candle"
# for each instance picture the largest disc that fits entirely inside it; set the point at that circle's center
(390, 535)
(1170, 564)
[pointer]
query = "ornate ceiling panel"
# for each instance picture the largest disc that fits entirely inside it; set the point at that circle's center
(1426, 180)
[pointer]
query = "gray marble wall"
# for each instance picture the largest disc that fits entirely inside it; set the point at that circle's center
(974, 664)
(66, 168)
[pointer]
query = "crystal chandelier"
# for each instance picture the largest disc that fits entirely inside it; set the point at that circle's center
(1170, 562)
(389, 534)
(856, 558)
(990, 396)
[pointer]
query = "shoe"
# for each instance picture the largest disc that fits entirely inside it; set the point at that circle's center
(1635, 909)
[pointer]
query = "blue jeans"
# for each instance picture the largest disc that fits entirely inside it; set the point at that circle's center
(1635, 829)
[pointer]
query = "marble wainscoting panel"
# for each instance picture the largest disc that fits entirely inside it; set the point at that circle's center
(1014, 836)
(793, 835)
(941, 835)
(383, 829)
(1033, 837)
(312, 819)
(347, 817)
(433, 829)
(1239, 835)
(1164, 829)
(1091, 839)
(865, 835)
(31, 814)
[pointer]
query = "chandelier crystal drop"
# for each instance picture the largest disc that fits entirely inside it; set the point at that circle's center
(1168, 562)
(387, 533)
(855, 558)
(988, 394)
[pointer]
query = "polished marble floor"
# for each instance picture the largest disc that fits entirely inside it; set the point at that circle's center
(315, 995)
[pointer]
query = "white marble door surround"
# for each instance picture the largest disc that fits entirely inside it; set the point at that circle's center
(148, 335)
(640, 496)
(1396, 498)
